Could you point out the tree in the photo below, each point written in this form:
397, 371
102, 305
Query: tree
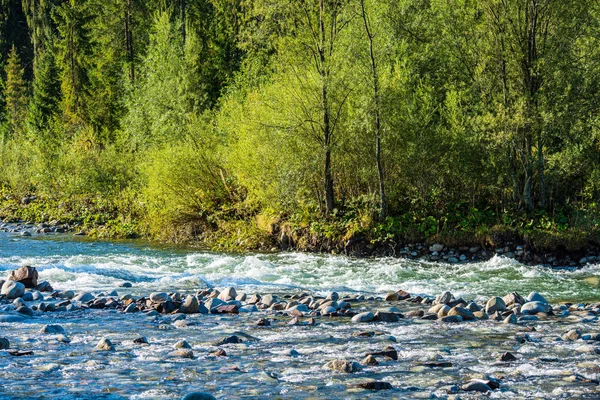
15, 93
46, 92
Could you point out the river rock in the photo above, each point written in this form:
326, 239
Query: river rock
182, 344
452, 318
4, 343
190, 305
386, 317
228, 294
369, 360
26, 275
507, 357
105, 345
436, 247
255, 299
443, 298
126, 285
84, 297
473, 307
183, 353
571, 335
11, 318
159, 297
392, 297
462, 312
131, 308
229, 340
513, 298
534, 307
226, 309
495, 304
27, 296
333, 296
213, 303
363, 317
535, 296
198, 396
12, 289
343, 366
476, 386
374, 385
511, 319
268, 300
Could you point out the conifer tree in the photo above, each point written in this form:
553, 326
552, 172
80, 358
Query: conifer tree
46, 92
15, 93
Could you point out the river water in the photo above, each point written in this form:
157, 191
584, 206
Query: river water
262, 367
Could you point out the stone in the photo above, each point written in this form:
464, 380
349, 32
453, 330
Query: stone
44, 286
182, 344
11, 318
12, 289
403, 295
228, 294
126, 285
452, 318
476, 386
213, 303
370, 360
461, 312
159, 297
25, 310
495, 304
535, 296
344, 366
105, 345
131, 308
52, 329
263, 322
229, 340
226, 309
386, 317
444, 298
84, 297
26, 275
183, 353
27, 296
571, 335
333, 296
363, 317
507, 357
436, 247
198, 396
190, 305
374, 385
268, 300
392, 297
473, 307
511, 319
140, 340
534, 307
4, 343
513, 298
388, 352
255, 299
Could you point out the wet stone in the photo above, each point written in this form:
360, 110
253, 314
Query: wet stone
52, 329
476, 386
344, 366
198, 396
4, 343
105, 345
507, 357
363, 317
374, 385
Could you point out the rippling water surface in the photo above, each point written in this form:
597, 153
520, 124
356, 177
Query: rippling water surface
262, 366
88, 265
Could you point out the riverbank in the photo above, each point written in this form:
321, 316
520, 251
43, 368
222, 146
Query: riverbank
569, 248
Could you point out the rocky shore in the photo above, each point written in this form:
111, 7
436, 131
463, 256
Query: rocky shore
375, 339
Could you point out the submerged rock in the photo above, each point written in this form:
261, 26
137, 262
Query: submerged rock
198, 396
344, 366
4, 343
476, 386
105, 345
363, 317
52, 329
12, 290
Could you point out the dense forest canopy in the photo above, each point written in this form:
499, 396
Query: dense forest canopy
396, 120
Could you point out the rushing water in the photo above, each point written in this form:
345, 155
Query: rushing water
91, 266
262, 366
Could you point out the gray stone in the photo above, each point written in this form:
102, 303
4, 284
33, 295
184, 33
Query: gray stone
183, 353
452, 318
436, 247
84, 297
25, 310
198, 396
461, 312
534, 307
476, 386
182, 344
131, 308
11, 318
363, 317
4, 343
26, 275
159, 297
27, 296
228, 294
190, 305
571, 335
535, 296
495, 304
53, 329
213, 303
105, 345
444, 298
268, 300
12, 289
343, 366
511, 319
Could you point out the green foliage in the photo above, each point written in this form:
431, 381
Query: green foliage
15, 94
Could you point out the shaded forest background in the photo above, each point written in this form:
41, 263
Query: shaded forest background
244, 123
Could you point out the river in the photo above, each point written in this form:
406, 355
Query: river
262, 366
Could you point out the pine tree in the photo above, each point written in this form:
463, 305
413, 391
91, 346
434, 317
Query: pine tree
46, 92
15, 93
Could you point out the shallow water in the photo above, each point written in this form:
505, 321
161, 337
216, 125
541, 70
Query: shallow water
546, 368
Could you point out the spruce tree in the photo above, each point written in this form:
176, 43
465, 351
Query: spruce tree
46, 92
15, 93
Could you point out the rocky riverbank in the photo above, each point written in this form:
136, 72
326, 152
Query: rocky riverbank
297, 344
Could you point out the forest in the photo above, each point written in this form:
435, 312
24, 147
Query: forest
241, 124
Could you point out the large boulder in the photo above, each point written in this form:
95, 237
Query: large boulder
343, 366
228, 294
534, 307
13, 289
26, 275
190, 305
495, 304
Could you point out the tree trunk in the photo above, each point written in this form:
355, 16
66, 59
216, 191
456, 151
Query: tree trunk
376, 101
129, 41
329, 197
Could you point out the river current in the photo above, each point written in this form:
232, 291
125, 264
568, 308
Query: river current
264, 366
